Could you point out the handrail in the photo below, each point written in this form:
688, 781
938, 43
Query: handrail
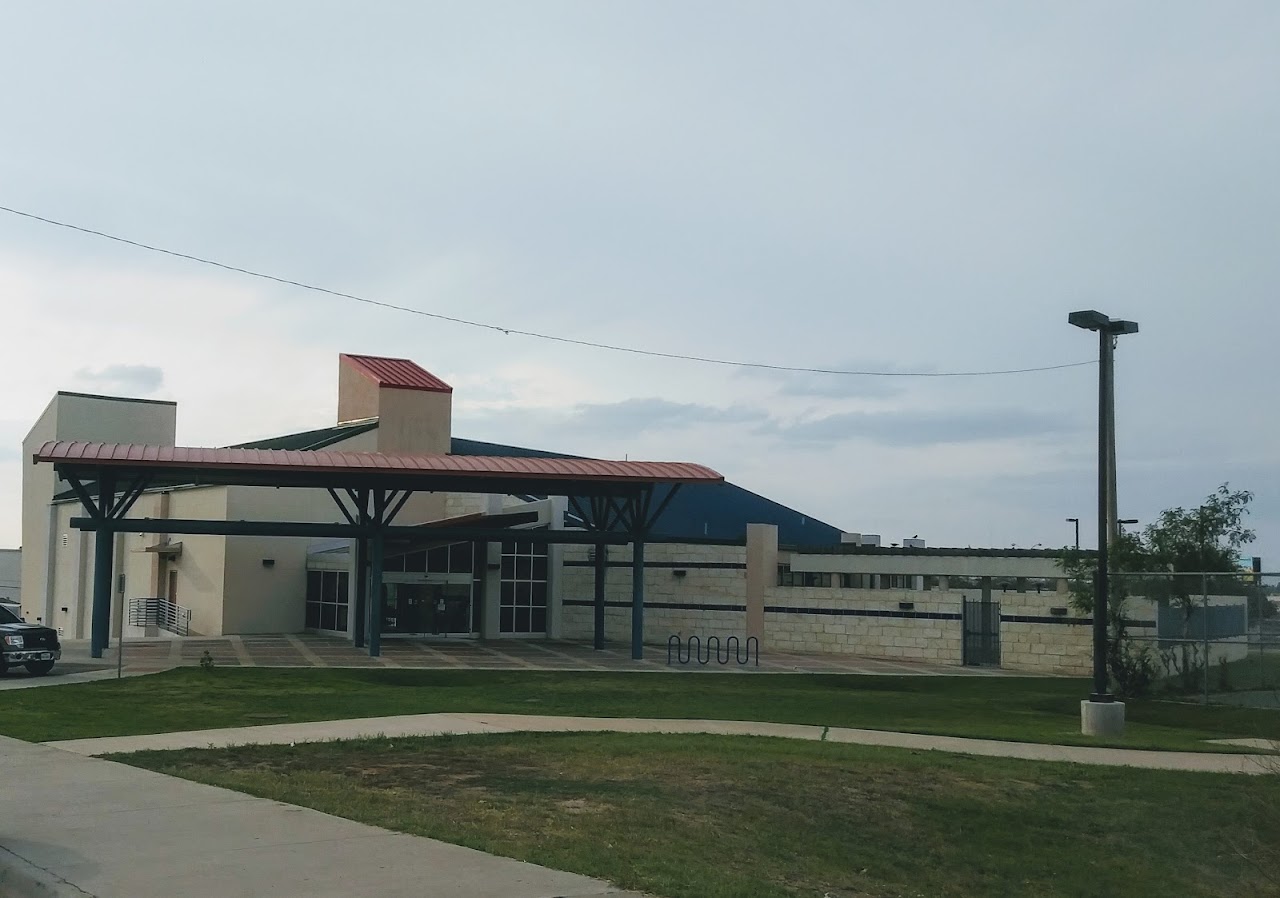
160, 612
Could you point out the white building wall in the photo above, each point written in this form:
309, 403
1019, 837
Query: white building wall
74, 416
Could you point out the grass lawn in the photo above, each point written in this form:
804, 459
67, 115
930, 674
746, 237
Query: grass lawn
1024, 709
707, 816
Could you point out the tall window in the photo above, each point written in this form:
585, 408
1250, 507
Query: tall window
327, 600
522, 604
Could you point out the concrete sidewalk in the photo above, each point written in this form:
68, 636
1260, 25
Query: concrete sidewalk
440, 724
72, 825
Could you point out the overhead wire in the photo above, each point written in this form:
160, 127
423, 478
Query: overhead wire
556, 338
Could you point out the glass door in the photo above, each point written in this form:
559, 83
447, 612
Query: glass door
427, 609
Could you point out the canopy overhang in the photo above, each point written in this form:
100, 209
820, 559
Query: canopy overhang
614, 499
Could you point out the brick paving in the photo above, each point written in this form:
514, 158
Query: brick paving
308, 650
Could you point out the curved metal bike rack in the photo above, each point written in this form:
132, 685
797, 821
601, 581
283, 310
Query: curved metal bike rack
694, 648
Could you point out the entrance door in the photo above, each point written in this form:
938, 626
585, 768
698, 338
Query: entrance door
981, 622
427, 609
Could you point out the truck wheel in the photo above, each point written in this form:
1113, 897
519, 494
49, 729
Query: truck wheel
39, 668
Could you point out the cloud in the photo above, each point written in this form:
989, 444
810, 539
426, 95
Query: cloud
632, 416
132, 380
806, 384
922, 428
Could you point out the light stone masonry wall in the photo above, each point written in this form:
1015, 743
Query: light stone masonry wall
864, 622
872, 634
698, 585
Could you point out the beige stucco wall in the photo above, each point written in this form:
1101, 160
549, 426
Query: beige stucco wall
74, 416
414, 422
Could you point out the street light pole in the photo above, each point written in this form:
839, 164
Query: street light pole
1102, 586
1095, 720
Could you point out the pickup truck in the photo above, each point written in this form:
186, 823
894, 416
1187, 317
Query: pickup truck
31, 645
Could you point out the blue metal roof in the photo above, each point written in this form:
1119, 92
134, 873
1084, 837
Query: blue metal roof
710, 510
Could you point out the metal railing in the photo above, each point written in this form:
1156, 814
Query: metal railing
160, 613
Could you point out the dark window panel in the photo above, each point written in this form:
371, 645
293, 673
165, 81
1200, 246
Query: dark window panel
508, 596
313, 615
538, 597
460, 558
438, 560
522, 620
415, 562
506, 620
328, 617
538, 620
343, 619
540, 567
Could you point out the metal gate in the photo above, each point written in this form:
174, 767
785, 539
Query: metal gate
981, 621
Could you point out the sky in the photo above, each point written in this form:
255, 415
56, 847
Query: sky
907, 188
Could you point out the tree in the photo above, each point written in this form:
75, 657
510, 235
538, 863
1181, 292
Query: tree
1181, 541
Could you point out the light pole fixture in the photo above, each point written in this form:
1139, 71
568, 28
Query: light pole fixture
1076, 521
1108, 330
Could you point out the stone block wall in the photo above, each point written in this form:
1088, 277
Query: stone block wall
864, 622
1034, 639
707, 599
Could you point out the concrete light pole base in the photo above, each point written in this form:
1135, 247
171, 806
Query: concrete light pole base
1102, 719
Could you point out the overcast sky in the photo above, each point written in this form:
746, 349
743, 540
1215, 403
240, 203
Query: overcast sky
903, 187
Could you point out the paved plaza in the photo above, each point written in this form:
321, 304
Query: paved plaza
306, 650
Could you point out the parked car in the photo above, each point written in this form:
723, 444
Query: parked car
31, 645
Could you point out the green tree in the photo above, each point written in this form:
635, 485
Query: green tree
1181, 541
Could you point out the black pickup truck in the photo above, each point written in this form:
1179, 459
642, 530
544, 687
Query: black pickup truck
31, 645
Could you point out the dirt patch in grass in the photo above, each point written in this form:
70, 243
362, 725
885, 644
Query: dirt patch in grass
736, 817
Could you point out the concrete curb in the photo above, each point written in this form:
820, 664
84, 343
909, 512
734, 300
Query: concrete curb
19, 878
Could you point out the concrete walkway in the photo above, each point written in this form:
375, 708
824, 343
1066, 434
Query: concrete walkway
71, 825
440, 724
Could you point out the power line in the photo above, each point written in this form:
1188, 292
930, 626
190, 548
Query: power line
653, 353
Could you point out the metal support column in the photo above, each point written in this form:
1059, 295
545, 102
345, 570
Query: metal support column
637, 599
362, 590
602, 568
100, 626
374, 601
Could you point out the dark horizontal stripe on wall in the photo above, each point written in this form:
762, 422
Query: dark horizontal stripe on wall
682, 565
862, 612
678, 606
1038, 619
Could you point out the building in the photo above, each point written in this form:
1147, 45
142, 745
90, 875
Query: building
723, 560
10, 576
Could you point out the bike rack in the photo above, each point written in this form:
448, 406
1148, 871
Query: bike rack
687, 651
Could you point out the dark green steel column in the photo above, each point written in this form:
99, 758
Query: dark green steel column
637, 599
602, 568
374, 600
100, 626
362, 590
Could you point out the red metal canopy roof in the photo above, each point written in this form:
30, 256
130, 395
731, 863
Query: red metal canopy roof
480, 467
400, 374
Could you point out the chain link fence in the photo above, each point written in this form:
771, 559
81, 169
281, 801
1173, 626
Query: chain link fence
1209, 637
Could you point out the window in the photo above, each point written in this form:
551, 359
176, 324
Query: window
855, 581
522, 601
897, 581
788, 577
327, 593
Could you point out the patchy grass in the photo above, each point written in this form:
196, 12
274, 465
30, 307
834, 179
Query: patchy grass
1022, 709
737, 817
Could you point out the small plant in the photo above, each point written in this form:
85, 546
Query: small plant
1224, 674
206, 661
